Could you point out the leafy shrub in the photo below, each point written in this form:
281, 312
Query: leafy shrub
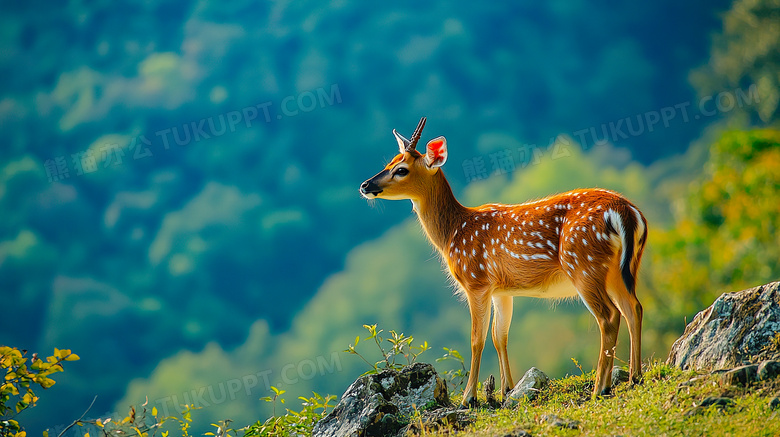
400, 346
21, 375
293, 423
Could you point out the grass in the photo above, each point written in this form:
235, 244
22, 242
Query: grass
662, 405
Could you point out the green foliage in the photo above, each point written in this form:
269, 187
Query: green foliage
148, 423
726, 233
400, 346
455, 377
21, 375
292, 423
745, 54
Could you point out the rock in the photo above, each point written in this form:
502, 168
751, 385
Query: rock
738, 328
619, 376
720, 403
532, 382
443, 418
742, 375
774, 403
560, 422
768, 370
381, 404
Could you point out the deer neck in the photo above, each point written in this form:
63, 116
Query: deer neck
439, 211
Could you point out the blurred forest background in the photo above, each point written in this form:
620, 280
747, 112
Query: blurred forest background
178, 179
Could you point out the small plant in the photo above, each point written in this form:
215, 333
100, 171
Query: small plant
223, 429
456, 376
141, 422
400, 346
21, 375
577, 363
293, 423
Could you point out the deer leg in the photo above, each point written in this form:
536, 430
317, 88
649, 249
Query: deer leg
608, 319
502, 318
479, 307
632, 311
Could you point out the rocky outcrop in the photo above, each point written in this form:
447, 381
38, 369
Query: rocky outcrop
381, 404
528, 387
738, 329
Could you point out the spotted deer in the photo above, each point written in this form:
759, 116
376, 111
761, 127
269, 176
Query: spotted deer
586, 243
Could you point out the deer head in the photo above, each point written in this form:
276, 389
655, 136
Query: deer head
408, 174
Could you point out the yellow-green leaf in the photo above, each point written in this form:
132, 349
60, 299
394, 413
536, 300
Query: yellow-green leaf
46, 382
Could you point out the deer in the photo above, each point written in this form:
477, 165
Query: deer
584, 243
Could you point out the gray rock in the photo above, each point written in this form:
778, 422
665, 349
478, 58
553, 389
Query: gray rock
528, 387
720, 403
560, 422
619, 376
737, 329
768, 370
381, 404
742, 375
441, 419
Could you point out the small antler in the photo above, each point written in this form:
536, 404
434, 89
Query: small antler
416, 135
405, 145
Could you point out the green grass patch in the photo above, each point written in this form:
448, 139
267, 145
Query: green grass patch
665, 404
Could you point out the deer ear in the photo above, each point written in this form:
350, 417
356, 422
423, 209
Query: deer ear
436, 152
403, 143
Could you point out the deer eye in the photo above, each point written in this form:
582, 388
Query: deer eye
401, 171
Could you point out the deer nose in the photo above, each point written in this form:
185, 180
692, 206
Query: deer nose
368, 187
